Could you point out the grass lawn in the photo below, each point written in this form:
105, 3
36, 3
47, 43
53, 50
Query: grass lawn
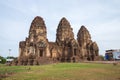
62, 71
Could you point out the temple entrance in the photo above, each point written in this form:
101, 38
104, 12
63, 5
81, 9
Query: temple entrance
75, 52
74, 60
41, 53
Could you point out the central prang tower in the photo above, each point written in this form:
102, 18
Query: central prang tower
65, 40
64, 33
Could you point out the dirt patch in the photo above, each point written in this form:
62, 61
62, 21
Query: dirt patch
5, 75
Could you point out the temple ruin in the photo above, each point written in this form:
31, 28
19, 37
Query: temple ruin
36, 49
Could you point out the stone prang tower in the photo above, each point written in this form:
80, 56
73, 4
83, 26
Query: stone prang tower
65, 40
89, 49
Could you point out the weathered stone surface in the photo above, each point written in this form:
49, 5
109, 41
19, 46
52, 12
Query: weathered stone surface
89, 49
65, 40
64, 33
36, 49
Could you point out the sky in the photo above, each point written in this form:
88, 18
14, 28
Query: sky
101, 18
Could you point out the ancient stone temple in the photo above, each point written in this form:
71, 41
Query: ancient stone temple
36, 49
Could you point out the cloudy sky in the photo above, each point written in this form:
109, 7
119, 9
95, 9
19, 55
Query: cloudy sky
101, 18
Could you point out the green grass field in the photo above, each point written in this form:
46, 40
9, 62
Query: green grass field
62, 71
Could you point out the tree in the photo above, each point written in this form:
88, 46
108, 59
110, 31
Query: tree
3, 60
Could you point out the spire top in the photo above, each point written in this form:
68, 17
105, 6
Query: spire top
64, 23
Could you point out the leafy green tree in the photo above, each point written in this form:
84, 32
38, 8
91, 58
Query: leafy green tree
3, 60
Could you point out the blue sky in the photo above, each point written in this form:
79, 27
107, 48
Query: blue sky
101, 18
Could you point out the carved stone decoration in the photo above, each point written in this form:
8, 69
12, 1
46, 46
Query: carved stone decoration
36, 49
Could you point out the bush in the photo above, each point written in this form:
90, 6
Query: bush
101, 57
3, 60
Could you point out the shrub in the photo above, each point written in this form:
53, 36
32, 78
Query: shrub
3, 60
